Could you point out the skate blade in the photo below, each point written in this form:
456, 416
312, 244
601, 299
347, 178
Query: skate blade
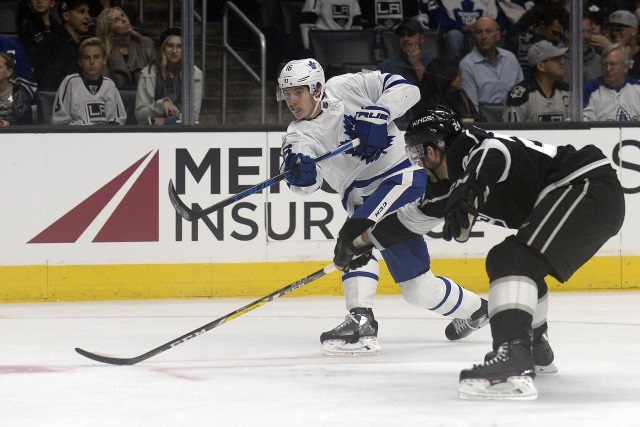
367, 346
514, 388
548, 369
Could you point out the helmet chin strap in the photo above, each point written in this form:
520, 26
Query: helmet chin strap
318, 102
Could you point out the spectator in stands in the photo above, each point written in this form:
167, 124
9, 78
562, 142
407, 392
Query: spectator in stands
128, 52
546, 21
22, 74
89, 98
590, 58
623, 28
488, 72
37, 23
58, 52
442, 85
329, 15
543, 96
614, 96
15, 108
159, 96
456, 20
413, 61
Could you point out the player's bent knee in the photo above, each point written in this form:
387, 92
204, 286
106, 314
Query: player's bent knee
422, 291
513, 258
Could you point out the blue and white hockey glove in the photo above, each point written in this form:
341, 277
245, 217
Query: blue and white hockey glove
461, 209
371, 128
301, 170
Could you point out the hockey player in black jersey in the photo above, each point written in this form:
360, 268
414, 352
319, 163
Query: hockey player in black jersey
564, 203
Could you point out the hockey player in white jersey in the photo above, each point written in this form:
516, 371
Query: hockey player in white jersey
89, 98
374, 179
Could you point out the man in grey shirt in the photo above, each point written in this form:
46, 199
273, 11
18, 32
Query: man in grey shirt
542, 97
488, 71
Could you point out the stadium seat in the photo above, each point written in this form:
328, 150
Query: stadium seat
491, 113
45, 101
129, 101
9, 11
334, 48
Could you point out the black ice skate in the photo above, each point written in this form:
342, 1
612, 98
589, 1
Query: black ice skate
542, 355
507, 376
353, 337
461, 328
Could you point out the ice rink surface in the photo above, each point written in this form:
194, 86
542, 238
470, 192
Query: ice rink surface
265, 367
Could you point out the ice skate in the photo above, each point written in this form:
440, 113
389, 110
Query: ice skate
460, 328
356, 336
542, 356
507, 376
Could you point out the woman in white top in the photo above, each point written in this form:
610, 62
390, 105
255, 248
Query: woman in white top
159, 95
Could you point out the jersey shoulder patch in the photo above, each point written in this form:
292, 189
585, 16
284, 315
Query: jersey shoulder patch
518, 95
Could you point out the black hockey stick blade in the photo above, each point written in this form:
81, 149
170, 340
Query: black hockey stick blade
201, 330
193, 214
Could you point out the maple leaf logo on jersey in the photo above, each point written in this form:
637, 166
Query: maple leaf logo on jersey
349, 124
623, 115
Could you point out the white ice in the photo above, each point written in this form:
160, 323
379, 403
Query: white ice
265, 368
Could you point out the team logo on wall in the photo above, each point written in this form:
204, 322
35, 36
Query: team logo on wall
135, 219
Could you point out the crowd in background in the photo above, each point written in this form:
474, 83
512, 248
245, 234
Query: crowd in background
87, 56
498, 60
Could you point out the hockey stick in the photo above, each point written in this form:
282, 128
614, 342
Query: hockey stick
201, 330
194, 214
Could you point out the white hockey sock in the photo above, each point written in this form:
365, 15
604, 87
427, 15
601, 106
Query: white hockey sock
440, 295
513, 292
361, 285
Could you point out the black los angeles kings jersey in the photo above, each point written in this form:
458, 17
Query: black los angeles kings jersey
512, 172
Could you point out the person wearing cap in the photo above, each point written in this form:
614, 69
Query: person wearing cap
412, 61
623, 27
57, 54
614, 96
489, 72
543, 96
159, 92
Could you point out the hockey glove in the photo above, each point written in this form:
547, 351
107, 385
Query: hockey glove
371, 128
300, 170
348, 256
461, 209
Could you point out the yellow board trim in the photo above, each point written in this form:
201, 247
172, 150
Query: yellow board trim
255, 280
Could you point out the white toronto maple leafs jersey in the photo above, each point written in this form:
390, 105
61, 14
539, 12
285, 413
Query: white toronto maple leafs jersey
612, 105
351, 175
75, 104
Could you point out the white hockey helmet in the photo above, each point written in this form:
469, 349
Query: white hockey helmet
301, 72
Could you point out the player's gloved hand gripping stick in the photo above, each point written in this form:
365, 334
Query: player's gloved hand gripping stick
194, 214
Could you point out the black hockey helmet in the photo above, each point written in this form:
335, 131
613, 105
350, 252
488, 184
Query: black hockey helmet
438, 126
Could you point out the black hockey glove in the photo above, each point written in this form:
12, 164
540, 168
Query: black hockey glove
461, 209
346, 255
349, 257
